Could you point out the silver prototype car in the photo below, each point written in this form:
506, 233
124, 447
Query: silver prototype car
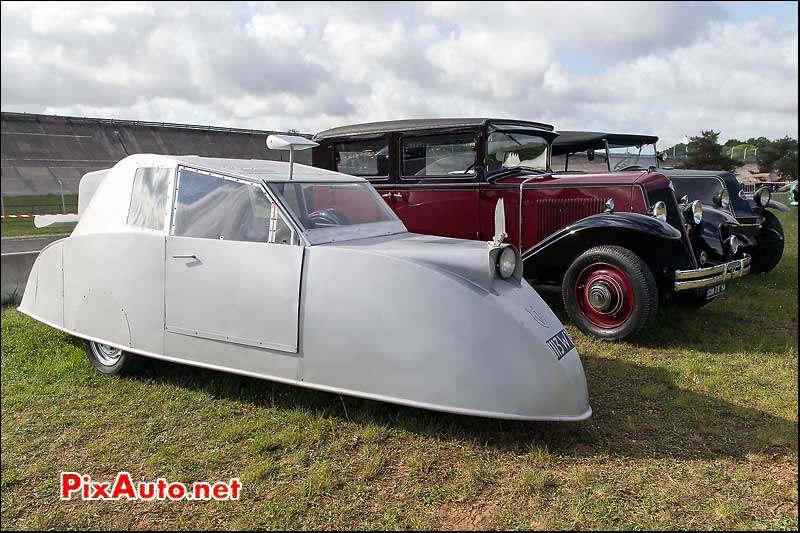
303, 276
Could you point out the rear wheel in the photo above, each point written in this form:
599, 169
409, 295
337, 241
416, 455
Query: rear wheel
768, 253
110, 360
610, 293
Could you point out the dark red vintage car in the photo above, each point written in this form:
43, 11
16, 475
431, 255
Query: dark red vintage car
616, 243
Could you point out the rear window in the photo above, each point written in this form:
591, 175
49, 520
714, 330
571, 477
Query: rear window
149, 198
368, 159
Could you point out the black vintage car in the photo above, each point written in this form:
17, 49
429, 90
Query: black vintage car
757, 230
618, 244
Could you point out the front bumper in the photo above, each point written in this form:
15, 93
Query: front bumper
714, 275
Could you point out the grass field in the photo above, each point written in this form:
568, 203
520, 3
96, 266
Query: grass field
694, 426
46, 203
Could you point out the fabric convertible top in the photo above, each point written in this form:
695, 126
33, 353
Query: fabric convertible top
578, 141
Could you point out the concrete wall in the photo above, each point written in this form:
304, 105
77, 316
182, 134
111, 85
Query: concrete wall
39, 150
14, 270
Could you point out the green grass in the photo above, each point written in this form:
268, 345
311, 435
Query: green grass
694, 426
41, 203
47, 203
23, 227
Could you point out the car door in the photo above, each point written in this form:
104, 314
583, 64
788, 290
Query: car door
437, 190
232, 287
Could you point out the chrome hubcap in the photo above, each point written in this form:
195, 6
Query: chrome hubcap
600, 297
107, 355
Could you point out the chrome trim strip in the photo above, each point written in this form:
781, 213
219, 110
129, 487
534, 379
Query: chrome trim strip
521, 222
705, 277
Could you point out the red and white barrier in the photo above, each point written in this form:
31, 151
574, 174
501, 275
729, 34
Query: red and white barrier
31, 215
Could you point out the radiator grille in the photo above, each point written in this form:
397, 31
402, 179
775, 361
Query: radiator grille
554, 214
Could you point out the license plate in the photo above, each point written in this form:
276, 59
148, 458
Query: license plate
560, 344
716, 290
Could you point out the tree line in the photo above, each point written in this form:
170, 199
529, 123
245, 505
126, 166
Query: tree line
777, 156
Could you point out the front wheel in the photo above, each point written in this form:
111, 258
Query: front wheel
610, 293
110, 360
769, 251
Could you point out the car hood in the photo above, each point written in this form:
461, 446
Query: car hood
472, 260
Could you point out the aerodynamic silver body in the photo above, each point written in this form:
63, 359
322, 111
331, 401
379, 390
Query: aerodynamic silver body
310, 280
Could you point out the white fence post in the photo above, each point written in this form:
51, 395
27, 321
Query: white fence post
63, 204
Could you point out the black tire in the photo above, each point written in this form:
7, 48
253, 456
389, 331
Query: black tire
766, 256
608, 269
110, 361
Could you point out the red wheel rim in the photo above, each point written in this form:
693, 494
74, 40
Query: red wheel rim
604, 295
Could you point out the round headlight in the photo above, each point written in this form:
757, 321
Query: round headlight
507, 263
762, 196
697, 211
724, 198
732, 243
659, 211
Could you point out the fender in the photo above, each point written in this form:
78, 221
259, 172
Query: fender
778, 205
711, 228
636, 231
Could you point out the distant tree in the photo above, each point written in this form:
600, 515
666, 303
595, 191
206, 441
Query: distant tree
760, 142
772, 152
732, 142
786, 166
705, 153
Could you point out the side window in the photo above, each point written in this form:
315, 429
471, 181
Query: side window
213, 207
149, 198
369, 159
443, 156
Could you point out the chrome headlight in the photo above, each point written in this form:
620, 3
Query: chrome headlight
696, 209
762, 196
732, 244
724, 198
659, 211
507, 263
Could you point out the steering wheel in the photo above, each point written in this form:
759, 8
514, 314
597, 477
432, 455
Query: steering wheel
630, 167
329, 217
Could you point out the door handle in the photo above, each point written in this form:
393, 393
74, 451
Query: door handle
387, 195
397, 196
190, 256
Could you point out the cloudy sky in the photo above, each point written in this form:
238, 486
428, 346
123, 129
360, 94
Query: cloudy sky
663, 68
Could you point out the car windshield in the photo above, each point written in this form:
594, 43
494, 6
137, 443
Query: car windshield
509, 150
332, 212
621, 157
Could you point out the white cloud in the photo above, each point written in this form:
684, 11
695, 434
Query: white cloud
663, 68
